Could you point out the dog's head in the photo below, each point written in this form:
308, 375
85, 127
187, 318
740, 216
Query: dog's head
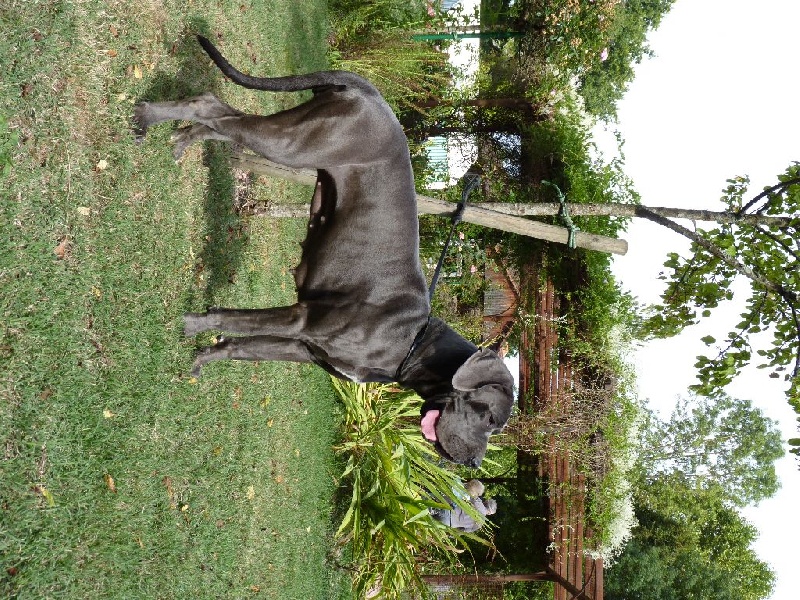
460, 422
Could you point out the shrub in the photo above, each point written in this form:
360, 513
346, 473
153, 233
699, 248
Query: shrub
395, 478
406, 72
373, 39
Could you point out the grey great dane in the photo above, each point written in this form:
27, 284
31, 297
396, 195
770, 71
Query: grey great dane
362, 310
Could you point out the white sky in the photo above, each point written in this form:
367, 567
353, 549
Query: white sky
719, 99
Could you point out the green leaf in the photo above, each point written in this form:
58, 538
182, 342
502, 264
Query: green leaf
420, 515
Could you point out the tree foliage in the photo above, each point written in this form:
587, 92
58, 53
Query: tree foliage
711, 457
724, 443
606, 80
595, 43
690, 543
768, 257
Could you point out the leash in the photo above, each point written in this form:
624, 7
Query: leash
471, 181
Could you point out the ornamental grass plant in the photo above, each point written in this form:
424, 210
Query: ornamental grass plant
394, 478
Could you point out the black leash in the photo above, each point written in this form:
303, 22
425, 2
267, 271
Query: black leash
471, 181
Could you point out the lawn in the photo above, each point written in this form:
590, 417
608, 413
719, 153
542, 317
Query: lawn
120, 476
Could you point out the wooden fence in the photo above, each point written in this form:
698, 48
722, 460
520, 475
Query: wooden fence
546, 383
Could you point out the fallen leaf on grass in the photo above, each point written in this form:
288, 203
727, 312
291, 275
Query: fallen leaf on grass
84, 211
62, 249
110, 483
108, 414
251, 492
137, 72
46, 494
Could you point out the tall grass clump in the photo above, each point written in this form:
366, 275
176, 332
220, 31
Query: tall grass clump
374, 40
406, 72
394, 478
356, 19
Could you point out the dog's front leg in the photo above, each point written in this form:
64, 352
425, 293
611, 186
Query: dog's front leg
283, 321
258, 347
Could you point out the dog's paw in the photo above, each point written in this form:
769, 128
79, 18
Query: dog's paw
141, 122
181, 140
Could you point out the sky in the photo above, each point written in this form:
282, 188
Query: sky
719, 99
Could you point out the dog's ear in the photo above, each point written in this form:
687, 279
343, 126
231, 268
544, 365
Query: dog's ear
482, 368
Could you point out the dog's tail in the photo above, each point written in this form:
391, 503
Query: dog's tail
294, 83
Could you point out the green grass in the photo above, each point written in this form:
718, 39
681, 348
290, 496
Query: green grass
120, 477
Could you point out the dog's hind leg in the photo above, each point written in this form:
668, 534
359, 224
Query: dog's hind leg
204, 109
186, 136
257, 347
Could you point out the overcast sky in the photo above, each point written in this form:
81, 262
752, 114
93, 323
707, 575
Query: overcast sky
720, 99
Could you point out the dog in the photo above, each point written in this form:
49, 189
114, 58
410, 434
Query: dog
362, 310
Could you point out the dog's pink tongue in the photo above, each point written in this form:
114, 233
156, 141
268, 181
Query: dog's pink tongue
428, 425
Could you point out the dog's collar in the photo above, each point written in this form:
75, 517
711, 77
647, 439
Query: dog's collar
413, 347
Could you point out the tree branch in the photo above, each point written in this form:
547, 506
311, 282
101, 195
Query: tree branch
542, 209
765, 193
791, 252
788, 295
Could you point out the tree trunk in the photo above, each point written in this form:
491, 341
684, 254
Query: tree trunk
427, 205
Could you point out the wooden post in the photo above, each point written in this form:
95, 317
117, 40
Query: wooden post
433, 206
